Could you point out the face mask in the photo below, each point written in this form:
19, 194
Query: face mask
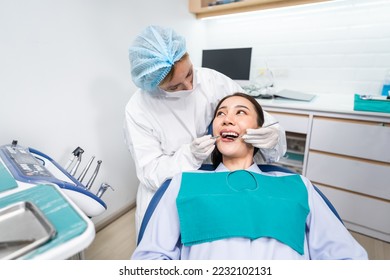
181, 93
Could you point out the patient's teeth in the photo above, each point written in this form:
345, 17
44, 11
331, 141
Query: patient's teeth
229, 134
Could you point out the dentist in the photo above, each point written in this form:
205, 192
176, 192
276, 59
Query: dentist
167, 118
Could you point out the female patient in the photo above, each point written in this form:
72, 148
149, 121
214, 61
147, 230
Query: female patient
239, 212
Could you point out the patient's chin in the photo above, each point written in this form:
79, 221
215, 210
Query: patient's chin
234, 151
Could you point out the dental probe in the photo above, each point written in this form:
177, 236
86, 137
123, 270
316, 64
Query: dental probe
268, 125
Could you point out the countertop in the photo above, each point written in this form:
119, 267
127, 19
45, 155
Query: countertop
329, 103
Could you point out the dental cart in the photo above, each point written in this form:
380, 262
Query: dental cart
32, 166
37, 219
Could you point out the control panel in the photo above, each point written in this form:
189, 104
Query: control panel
32, 166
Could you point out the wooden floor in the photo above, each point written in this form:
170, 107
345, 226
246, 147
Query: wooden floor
117, 242
114, 242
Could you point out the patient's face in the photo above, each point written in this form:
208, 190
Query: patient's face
234, 116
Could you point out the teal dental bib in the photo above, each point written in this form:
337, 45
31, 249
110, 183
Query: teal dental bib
220, 205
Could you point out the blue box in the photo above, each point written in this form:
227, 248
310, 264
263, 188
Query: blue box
372, 105
386, 90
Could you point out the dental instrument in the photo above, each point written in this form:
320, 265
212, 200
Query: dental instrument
93, 177
75, 155
372, 97
82, 175
76, 166
102, 189
268, 125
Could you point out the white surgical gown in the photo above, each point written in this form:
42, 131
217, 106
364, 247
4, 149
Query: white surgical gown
326, 237
159, 129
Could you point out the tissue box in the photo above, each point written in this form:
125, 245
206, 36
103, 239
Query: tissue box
372, 105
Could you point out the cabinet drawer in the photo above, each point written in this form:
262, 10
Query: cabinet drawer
353, 138
371, 178
371, 214
292, 122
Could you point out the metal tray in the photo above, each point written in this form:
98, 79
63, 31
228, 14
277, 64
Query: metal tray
23, 228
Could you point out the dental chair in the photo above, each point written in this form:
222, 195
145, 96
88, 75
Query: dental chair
209, 167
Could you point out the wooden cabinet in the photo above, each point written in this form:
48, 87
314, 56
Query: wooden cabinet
346, 155
208, 8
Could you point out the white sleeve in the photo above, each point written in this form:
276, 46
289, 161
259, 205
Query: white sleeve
152, 165
326, 235
161, 237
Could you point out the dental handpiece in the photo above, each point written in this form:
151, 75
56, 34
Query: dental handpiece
76, 166
75, 154
102, 189
70, 162
93, 177
82, 175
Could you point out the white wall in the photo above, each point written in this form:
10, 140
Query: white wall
64, 71
338, 47
64, 80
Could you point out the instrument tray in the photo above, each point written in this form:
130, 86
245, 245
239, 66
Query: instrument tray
23, 228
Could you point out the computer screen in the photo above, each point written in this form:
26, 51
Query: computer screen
234, 63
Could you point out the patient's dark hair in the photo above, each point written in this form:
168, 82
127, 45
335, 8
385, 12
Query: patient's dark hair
216, 156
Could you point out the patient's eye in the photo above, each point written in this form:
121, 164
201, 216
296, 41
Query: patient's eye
220, 113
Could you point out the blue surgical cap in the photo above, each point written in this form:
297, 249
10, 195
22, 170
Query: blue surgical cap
152, 55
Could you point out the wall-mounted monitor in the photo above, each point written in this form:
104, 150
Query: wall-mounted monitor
234, 63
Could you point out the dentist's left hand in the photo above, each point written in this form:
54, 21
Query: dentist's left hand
262, 138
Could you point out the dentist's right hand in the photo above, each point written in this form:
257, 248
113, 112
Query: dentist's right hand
202, 147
